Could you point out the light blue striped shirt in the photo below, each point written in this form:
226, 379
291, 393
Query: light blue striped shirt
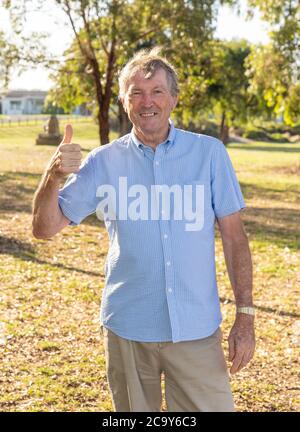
160, 276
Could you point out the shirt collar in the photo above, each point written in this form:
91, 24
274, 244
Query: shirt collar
168, 142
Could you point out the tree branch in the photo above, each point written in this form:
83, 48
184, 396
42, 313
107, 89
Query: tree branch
68, 13
92, 59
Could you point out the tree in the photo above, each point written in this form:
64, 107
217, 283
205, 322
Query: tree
17, 50
274, 69
73, 84
105, 42
216, 83
284, 17
228, 89
272, 81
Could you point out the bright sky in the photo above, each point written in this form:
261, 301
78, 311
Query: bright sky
229, 26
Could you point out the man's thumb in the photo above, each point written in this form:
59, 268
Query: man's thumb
67, 139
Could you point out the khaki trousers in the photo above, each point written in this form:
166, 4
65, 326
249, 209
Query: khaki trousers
196, 377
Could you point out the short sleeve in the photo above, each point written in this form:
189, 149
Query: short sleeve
77, 199
227, 197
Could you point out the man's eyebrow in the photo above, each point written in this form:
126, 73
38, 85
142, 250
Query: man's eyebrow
134, 87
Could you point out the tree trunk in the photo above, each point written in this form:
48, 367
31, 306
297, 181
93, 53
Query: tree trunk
124, 122
103, 124
103, 109
224, 129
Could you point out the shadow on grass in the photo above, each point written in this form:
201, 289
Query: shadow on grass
278, 226
17, 190
280, 148
17, 248
271, 193
264, 309
26, 252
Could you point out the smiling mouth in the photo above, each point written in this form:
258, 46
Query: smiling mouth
148, 114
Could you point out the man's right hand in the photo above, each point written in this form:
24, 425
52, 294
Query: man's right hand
67, 158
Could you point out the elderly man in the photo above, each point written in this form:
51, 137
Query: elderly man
159, 191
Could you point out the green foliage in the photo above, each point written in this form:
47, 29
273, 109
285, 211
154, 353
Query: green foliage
269, 76
272, 82
262, 135
275, 68
229, 80
292, 107
20, 51
284, 16
74, 85
269, 131
50, 108
183, 28
228, 83
216, 84
9, 55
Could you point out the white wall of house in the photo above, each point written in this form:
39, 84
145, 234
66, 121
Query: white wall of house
12, 106
25, 102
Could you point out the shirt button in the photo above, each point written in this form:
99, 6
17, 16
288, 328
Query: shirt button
170, 290
156, 163
165, 236
168, 263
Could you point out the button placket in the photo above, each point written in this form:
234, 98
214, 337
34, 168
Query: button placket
166, 245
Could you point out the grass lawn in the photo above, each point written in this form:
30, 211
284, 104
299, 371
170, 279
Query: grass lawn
51, 352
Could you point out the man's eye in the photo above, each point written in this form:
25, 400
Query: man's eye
157, 91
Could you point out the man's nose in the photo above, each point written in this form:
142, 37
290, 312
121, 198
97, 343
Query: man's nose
147, 100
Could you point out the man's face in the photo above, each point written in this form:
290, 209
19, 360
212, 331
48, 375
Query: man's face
148, 102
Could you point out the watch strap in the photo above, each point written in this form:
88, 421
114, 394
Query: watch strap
246, 310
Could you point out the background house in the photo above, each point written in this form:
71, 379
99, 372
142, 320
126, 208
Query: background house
17, 102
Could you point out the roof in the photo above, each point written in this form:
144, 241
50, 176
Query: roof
24, 93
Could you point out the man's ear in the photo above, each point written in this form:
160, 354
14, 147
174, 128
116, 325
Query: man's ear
175, 100
122, 100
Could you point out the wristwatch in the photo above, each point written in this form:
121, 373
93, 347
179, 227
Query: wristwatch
246, 310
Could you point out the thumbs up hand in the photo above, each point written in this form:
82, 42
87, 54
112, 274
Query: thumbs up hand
68, 134
67, 158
